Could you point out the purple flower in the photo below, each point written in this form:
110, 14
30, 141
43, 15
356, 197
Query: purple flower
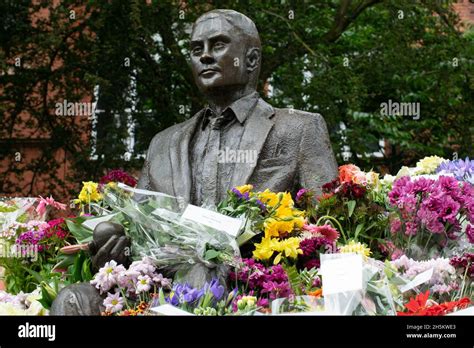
433, 205
462, 170
244, 196
300, 194
464, 263
216, 289
184, 293
470, 233
276, 289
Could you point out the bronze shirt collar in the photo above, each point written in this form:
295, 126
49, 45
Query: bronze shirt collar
240, 108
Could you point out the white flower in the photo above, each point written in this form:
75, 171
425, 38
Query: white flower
107, 277
113, 303
143, 284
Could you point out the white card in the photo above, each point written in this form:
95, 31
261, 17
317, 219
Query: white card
92, 223
419, 279
341, 273
213, 219
168, 309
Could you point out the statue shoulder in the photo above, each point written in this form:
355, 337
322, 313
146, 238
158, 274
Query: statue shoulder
163, 137
300, 117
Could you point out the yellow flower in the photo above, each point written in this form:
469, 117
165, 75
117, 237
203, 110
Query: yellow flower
287, 247
278, 227
89, 192
274, 228
264, 250
244, 188
286, 200
112, 185
290, 247
299, 221
428, 164
358, 248
268, 198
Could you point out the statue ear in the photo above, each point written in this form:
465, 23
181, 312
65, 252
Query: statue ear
252, 59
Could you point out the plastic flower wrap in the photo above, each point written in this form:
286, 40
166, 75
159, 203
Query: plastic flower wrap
442, 283
378, 294
193, 252
18, 210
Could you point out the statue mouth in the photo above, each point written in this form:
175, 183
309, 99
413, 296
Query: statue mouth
208, 72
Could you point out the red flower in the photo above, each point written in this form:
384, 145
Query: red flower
418, 306
418, 303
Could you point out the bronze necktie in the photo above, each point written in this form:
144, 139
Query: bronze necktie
210, 176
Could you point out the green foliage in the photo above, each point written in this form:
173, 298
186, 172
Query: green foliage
81, 233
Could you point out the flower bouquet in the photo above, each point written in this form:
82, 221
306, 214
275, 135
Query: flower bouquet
190, 251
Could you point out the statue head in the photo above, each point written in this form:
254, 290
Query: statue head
225, 52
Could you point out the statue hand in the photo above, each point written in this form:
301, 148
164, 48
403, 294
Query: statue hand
116, 248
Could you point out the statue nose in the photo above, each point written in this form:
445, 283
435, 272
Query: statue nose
206, 58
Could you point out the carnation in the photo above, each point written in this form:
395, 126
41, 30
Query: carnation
118, 175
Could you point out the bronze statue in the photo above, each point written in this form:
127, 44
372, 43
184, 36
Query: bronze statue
290, 149
237, 139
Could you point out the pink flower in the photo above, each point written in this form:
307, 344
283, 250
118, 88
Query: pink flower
326, 231
397, 253
470, 233
49, 201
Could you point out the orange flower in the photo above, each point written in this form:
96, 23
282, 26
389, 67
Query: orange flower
316, 293
351, 173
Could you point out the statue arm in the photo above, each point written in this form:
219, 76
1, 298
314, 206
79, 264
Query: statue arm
317, 164
144, 182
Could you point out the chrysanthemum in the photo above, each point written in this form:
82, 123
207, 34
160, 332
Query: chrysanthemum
143, 284
356, 247
113, 303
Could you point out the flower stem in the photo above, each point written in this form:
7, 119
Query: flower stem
328, 217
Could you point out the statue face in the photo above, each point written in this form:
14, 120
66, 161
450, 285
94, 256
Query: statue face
217, 55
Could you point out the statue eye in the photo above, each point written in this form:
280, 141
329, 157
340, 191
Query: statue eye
196, 51
219, 45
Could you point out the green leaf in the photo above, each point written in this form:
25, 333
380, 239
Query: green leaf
64, 262
77, 267
38, 277
81, 233
358, 230
211, 254
294, 279
350, 207
162, 297
86, 273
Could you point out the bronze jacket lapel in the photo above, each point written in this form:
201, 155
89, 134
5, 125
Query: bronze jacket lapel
257, 128
179, 157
